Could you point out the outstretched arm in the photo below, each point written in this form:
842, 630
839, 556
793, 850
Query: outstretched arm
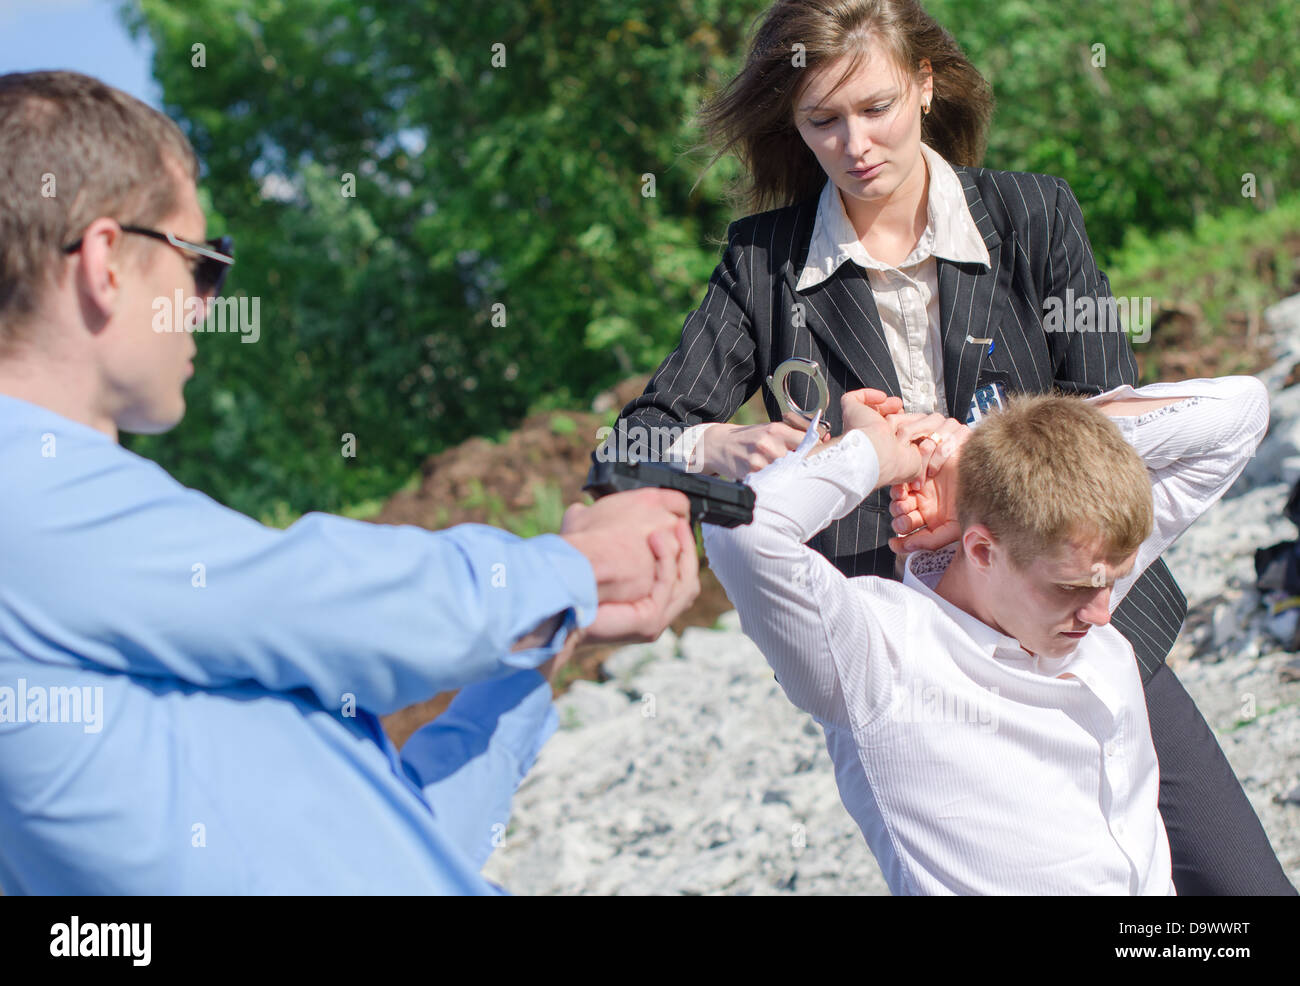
115, 565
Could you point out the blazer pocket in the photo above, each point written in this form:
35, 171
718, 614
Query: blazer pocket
990, 374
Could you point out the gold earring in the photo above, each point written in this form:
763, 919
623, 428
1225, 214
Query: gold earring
925, 109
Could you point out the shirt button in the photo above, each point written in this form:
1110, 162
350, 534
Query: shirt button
1111, 748
1119, 829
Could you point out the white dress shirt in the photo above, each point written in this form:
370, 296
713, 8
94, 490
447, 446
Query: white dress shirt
972, 766
906, 296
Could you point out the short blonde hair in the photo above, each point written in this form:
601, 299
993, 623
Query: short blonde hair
1052, 468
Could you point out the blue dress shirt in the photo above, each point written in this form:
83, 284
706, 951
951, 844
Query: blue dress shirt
189, 699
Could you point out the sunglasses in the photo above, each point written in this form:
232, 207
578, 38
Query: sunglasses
214, 259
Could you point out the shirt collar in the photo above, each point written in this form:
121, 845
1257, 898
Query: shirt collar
923, 571
950, 230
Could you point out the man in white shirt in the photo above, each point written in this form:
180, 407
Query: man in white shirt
987, 724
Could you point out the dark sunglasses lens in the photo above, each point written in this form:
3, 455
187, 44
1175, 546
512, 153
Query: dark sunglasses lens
211, 274
208, 277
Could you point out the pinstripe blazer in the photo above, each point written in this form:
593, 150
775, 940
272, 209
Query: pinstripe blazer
752, 319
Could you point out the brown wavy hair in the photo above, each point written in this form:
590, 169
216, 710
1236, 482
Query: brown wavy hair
753, 115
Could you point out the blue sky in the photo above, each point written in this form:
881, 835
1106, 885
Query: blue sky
84, 35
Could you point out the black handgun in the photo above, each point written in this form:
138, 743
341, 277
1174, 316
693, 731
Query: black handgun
713, 500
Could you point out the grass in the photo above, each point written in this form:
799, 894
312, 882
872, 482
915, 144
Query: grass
543, 517
279, 515
1216, 264
1240, 261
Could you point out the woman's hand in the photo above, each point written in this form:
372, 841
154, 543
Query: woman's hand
734, 451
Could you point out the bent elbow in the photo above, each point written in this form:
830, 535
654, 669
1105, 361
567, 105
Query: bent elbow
1256, 408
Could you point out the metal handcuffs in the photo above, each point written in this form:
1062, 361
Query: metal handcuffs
779, 384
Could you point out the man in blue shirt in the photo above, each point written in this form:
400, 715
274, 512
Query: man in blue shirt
189, 699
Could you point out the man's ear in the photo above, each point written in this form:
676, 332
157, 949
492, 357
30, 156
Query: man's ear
97, 270
978, 543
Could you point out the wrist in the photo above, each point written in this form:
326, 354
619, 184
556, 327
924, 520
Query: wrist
575, 639
885, 446
829, 443
703, 458
539, 635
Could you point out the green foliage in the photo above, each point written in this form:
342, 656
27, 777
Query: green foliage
1193, 95
1215, 265
562, 425
498, 254
544, 517
475, 186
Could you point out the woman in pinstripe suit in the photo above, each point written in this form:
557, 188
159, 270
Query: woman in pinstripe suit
878, 248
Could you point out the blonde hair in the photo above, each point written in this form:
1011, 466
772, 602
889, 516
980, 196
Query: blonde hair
1052, 468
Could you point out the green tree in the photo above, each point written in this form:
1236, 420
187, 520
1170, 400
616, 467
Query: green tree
441, 205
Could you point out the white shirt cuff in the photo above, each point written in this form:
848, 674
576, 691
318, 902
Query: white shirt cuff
679, 452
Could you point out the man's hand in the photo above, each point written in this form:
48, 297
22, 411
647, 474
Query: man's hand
925, 511
642, 553
901, 441
676, 584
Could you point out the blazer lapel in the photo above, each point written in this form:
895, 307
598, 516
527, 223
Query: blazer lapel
972, 303
841, 311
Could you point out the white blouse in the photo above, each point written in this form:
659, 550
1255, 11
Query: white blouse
906, 296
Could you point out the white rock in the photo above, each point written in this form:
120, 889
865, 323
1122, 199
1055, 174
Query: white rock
586, 703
